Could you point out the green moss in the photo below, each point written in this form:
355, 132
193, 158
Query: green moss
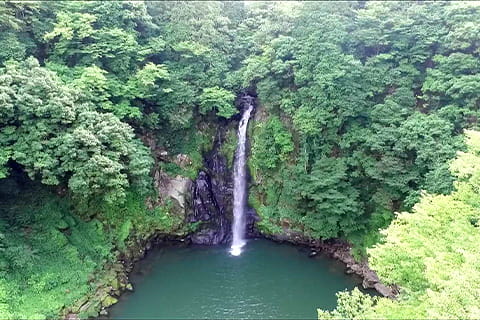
194, 144
272, 145
193, 227
45, 265
172, 169
229, 146
269, 218
133, 219
51, 259
108, 301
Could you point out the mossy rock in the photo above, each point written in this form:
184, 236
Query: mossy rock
91, 313
108, 301
79, 304
90, 309
115, 284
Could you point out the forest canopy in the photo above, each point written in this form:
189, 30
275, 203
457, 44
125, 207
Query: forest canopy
361, 108
431, 253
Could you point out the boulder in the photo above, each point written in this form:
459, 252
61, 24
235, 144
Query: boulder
108, 301
384, 290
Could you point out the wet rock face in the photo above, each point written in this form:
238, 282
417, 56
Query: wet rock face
251, 219
212, 196
212, 205
211, 201
208, 208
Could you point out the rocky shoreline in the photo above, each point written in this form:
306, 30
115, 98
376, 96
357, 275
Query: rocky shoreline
204, 202
113, 280
117, 281
341, 251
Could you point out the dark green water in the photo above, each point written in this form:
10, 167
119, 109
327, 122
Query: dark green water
268, 280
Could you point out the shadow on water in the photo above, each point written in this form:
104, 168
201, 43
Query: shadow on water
268, 281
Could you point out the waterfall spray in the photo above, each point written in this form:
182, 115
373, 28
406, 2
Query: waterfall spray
240, 184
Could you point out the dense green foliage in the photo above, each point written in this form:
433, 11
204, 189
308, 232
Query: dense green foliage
219, 99
51, 256
375, 96
361, 105
53, 136
82, 86
113, 61
432, 254
47, 256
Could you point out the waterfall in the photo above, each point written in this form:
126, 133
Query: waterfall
240, 182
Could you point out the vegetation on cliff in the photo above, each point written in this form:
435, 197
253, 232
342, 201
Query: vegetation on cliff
374, 96
53, 254
84, 87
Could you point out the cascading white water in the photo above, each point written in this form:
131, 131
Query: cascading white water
240, 184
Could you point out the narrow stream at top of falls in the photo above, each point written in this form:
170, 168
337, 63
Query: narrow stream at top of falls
240, 182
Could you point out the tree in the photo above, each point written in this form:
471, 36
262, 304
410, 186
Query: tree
57, 138
330, 203
431, 253
217, 99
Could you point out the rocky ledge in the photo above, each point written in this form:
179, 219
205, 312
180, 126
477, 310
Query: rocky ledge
113, 280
